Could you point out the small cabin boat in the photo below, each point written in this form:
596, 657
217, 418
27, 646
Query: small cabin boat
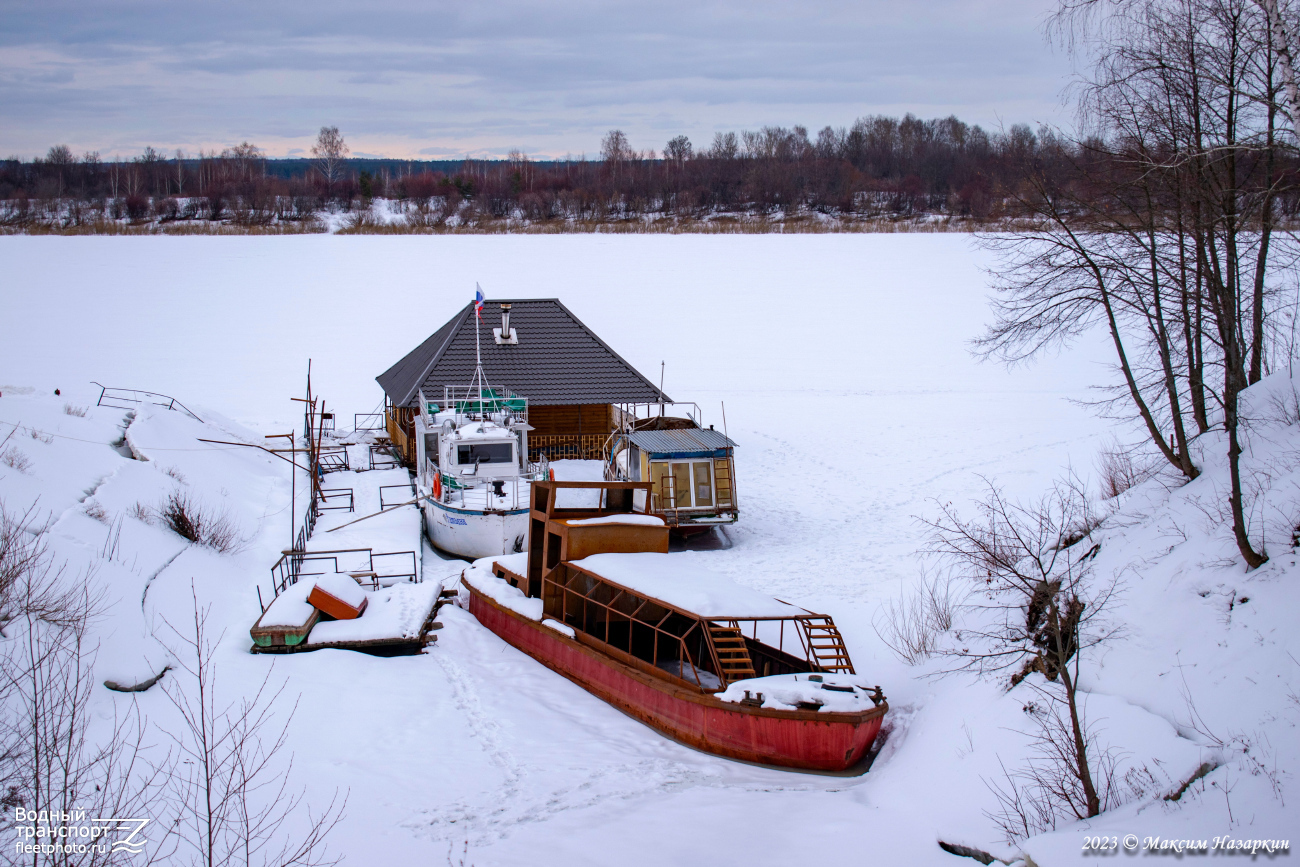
706, 661
473, 474
690, 467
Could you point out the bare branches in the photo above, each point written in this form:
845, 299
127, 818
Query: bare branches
48, 760
912, 626
1041, 607
232, 799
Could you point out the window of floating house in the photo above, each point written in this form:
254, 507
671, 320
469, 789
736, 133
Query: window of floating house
682, 484
702, 482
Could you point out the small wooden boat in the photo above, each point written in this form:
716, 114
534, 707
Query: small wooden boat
715, 665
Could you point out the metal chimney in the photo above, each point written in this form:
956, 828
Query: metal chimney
505, 334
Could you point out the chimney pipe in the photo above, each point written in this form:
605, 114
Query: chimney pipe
505, 321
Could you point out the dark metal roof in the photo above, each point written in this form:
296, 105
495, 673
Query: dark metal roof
558, 360
684, 440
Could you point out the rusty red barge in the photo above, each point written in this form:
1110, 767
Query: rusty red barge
715, 665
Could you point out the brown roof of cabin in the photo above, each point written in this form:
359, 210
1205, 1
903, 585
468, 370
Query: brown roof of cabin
558, 360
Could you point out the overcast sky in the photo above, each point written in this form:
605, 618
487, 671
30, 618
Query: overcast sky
429, 79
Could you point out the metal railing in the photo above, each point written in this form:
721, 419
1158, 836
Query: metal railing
294, 565
108, 394
335, 498
408, 491
382, 458
480, 492
671, 642
333, 459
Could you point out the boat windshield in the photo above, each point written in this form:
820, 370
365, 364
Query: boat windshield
485, 453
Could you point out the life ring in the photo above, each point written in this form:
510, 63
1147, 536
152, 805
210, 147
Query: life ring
437, 486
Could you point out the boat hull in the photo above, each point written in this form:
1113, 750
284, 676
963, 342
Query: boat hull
807, 740
472, 533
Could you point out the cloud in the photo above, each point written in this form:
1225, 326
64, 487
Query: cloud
406, 78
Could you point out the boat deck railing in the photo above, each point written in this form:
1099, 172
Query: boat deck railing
730, 648
480, 492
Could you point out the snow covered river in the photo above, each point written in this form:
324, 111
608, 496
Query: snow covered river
844, 364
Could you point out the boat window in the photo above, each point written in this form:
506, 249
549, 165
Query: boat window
682, 485
431, 447
485, 453
702, 472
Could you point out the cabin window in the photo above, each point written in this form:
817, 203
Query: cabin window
682, 484
431, 448
485, 453
702, 481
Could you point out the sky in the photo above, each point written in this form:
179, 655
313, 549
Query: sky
428, 79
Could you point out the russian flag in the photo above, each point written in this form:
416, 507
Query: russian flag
478, 300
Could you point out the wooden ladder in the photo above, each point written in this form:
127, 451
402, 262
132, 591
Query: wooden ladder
826, 645
730, 651
721, 483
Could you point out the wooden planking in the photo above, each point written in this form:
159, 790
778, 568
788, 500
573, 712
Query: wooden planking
571, 419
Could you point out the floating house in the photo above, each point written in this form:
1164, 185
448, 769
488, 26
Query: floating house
574, 382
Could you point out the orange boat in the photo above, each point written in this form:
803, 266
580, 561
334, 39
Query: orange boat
713, 664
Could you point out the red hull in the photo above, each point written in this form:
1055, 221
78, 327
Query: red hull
808, 740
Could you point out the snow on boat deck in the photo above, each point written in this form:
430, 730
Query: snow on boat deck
673, 579
642, 520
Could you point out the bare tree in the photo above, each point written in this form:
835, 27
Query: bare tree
50, 765
677, 152
233, 802
1163, 224
330, 151
1038, 606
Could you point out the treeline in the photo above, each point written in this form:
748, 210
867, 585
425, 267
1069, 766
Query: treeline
878, 166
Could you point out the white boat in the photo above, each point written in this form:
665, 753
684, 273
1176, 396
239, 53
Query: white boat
474, 477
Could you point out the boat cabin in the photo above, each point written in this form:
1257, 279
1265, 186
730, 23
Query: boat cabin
473, 440
689, 467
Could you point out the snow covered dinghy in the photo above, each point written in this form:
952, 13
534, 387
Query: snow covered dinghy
688, 652
333, 610
287, 621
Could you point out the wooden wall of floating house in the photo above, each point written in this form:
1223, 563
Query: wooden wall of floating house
400, 423
571, 419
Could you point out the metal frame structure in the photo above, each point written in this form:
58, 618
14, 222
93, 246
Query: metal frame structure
288, 570
138, 396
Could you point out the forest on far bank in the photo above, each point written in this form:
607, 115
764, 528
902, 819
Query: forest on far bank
880, 168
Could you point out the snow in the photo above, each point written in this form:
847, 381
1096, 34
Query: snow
562, 628
681, 580
291, 607
342, 587
706, 679
786, 691
398, 611
639, 520
474, 743
577, 471
498, 590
